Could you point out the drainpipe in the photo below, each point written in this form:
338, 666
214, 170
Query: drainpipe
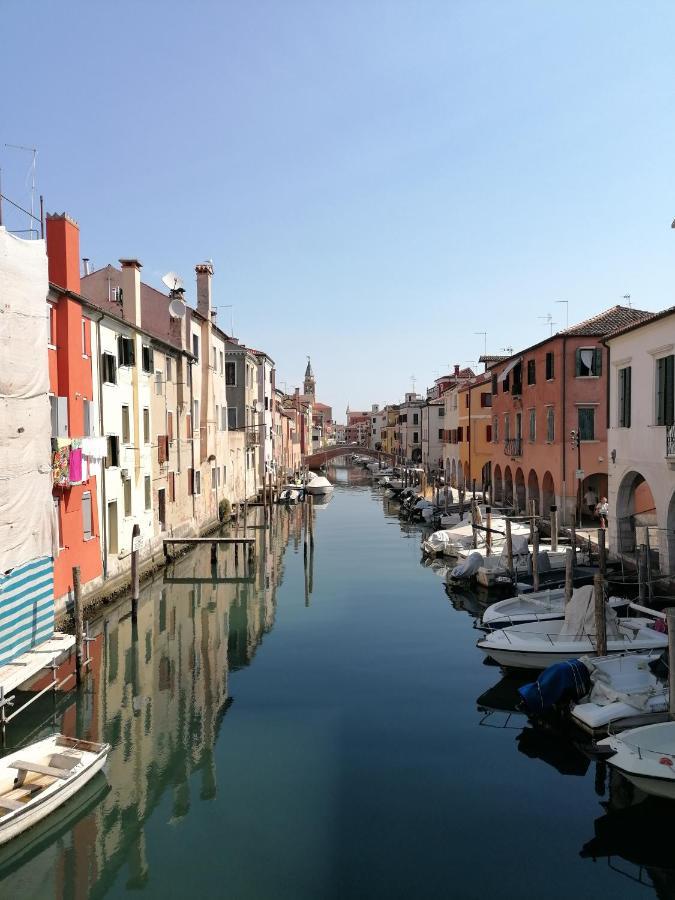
104, 511
564, 430
192, 444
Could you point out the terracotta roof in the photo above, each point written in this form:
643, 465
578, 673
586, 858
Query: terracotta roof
654, 316
613, 319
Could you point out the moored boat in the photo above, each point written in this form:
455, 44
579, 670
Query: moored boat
319, 486
39, 778
646, 757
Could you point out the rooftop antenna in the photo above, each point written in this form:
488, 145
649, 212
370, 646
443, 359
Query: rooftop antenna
174, 283
567, 312
32, 150
413, 381
508, 350
484, 333
626, 297
548, 319
231, 309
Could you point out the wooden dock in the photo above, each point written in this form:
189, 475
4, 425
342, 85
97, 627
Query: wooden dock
248, 544
33, 662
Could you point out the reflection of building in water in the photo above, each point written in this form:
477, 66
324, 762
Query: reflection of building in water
158, 694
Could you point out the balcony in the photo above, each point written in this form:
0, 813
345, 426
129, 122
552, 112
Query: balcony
253, 437
670, 445
513, 447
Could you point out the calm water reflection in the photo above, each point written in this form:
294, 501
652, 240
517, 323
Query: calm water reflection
326, 734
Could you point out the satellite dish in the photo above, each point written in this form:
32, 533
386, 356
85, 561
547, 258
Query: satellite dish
173, 281
177, 309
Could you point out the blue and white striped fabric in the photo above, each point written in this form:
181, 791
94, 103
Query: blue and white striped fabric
26, 607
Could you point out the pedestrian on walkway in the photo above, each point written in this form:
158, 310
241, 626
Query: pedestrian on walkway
603, 512
591, 500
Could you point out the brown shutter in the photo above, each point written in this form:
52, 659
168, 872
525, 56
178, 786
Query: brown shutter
172, 487
169, 425
191, 481
188, 425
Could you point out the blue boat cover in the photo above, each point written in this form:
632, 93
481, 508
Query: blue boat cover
563, 681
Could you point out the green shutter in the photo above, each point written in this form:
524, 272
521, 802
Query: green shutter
669, 390
597, 362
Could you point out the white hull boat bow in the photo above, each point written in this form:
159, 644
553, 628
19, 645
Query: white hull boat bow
646, 757
40, 778
541, 606
537, 645
319, 486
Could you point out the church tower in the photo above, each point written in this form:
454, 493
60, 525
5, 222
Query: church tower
310, 387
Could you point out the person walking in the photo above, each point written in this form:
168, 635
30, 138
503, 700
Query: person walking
603, 512
591, 500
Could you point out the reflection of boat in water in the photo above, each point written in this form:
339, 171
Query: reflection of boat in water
551, 747
15, 853
320, 500
641, 834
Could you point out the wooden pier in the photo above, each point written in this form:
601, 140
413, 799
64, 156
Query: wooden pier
247, 544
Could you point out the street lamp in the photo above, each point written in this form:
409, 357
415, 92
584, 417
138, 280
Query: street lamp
575, 442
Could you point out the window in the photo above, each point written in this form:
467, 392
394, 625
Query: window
112, 527
87, 532
519, 425
127, 496
460, 434
664, 390
495, 429
126, 437
198, 482
158, 384
195, 345
112, 459
191, 481
57, 519
415, 421
169, 369
485, 399
86, 417
517, 386
624, 397
588, 362
188, 425
52, 326
59, 412
84, 337
169, 425
125, 350
230, 373
505, 383
217, 417
148, 362
215, 357
416, 437
221, 362
223, 418
441, 412
533, 424
440, 434
531, 371
466, 399
109, 368
195, 413
507, 428
488, 433
586, 423
148, 492
146, 425
494, 384
172, 487
550, 424
550, 368
214, 478
224, 475
232, 417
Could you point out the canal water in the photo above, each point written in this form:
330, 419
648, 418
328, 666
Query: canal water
324, 732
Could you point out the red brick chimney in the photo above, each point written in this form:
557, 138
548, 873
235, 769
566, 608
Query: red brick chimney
63, 251
456, 370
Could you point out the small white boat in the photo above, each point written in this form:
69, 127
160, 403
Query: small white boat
290, 495
646, 757
319, 486
625, 693
494, 570
38, 779
537, 645
541, 606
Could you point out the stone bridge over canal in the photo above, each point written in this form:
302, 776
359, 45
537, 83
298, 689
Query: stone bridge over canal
323, 457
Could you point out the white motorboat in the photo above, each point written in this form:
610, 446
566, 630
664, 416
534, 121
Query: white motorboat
39, 778
318, 485
625, 693
451, 541
537, 645
646, 757
290, 494
541, 606
494, 570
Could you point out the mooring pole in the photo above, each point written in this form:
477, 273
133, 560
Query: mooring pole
79, 625
509, 546
569, 574
642, 573
488, 533
602, 552
535, 560
600, 618
670, 619
135, 574
554, 529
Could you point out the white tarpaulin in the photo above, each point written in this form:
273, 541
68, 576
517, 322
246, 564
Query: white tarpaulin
580, 616
25, 418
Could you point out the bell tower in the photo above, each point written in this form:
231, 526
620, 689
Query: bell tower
309, 385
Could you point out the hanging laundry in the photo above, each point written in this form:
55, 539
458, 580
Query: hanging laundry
61, 466
75, 470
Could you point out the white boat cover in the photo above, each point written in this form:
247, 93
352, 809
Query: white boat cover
626, 679
580, 616
469, 566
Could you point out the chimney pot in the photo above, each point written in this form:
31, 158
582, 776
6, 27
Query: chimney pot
456, 370
131, 291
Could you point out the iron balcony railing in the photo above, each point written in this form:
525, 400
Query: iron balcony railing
513, 446
670, 440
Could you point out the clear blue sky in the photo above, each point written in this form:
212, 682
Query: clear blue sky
374, 181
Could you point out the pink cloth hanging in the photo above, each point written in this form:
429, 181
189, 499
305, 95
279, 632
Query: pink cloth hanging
76, 466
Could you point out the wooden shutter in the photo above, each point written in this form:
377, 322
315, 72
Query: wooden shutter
188, 425
172, 487
162, 448
86, 516
169, 425
191, 481
597, 362
488, 433
62, 416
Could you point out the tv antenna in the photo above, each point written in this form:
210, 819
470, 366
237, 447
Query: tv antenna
548, 320
626, 297
413, 381
31, 170
508, 350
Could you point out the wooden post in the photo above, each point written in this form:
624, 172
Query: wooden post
600, 620
554, 528
214, 554
648, 562
573, 541
602, 552
474, 489
474, 539
79, 626
311, 522
135, 575
642, 573
569, 574
236, 556
670, 619
251, 554
488, 533
532, 523
509, 545
535, 560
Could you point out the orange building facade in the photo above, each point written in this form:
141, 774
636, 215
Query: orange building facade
71, 387
474, 433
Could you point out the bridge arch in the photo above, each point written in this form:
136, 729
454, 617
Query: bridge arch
324, 456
